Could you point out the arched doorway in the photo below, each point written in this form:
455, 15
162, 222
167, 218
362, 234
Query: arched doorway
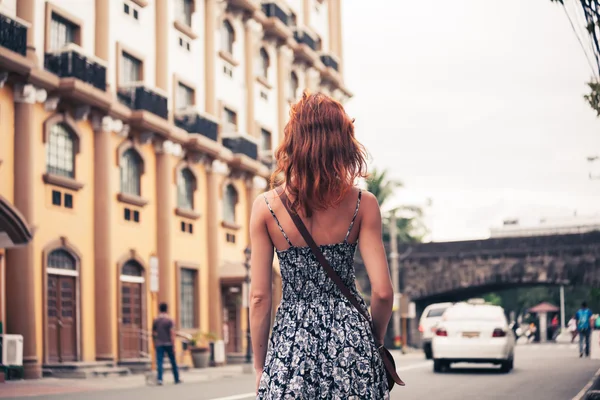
62, 300
132, 335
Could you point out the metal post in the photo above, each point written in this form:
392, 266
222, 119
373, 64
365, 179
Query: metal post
562, 308
247, 252
395, 267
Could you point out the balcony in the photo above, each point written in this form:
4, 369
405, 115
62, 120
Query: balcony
303, 37
195, 123
138, 97
72, 63
273, 9
240, 144
330, 61
13, 35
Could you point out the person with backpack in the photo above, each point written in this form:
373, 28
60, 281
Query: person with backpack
583, 317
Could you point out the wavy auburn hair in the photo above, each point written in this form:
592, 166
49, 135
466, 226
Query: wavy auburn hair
319, 158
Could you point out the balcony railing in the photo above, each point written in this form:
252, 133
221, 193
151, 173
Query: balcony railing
13, 35
302, 36
241, 145
71, 63
273, 9
138, 97
194, 122
329, 61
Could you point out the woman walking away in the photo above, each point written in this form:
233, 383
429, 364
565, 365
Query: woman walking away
572, 327
321, 346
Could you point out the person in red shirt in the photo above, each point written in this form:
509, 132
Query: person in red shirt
163, 334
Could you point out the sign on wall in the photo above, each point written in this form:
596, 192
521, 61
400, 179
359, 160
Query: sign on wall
154, 274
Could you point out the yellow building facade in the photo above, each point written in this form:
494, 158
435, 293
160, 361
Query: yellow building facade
125, 183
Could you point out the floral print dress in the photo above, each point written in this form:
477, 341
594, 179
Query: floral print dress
320, 346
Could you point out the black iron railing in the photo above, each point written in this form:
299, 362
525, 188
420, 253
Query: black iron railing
241, 145
302, 37
195, 123
142, 98
72, 64
13, 35
329, 61
273, 10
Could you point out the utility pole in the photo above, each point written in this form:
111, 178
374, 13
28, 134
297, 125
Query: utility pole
562, 308
395, 267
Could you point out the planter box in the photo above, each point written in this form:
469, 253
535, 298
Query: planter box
200, 357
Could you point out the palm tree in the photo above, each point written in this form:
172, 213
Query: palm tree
380, 186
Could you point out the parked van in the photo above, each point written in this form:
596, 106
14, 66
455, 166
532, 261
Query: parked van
427, 325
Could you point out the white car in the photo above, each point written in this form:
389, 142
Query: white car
473, 333
427, 324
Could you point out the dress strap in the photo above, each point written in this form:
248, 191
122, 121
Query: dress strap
277, 221
354, 216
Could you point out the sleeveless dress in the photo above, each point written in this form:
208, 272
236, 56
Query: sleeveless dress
320, 346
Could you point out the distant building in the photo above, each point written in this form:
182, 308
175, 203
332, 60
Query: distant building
548, 226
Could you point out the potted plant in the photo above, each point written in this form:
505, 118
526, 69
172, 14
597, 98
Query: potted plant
200, 349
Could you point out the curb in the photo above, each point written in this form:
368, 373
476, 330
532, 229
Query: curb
586, 393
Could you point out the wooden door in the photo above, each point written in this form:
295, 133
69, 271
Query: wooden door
62, 318
131, 321
231, 320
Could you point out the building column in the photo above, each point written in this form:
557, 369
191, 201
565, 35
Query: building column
307, 4
164, 225
255, 185
210, 27
285, 57
162, 45
105, 274
313, 77
20, 266
252, 34
215, 172
26, 11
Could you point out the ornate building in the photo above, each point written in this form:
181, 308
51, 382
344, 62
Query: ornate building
134, 137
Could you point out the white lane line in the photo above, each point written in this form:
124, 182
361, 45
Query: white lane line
583, 391
237, 396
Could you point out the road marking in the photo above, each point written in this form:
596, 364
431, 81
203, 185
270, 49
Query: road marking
237, 396
583, 391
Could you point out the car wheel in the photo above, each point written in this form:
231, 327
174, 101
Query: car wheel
428, 353
507, 366
437, 366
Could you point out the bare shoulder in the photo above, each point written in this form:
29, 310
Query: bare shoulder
368, 202
260, 207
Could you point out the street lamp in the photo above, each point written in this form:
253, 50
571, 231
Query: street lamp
247, 253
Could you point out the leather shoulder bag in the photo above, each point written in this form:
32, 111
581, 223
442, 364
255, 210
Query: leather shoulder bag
386, 356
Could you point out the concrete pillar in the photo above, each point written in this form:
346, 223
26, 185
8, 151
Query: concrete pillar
335, 29
105, 274
543, 318
102, 36
20, 271
306, 11
215, 172
252, 34
395, 269
164, 225
26, 11
285, 56
210, 27
162, 45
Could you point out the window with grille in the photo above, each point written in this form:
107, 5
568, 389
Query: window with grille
62, 32
131, 172
264, 63
131, 268
61, 259
294, 86
131, 69
60, 152
188, 299
185, 96
183, 11
230, 200
185, 189
265, 136
227, 37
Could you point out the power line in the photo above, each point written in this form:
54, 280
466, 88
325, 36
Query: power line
587, 56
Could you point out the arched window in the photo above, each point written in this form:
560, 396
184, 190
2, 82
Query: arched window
228, 37
264, 63
132, 268
186, 185
294, 86
60, 151
62, 259
131, 172
230, 200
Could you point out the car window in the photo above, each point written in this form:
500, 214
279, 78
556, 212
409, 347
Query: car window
474, 314
436, 312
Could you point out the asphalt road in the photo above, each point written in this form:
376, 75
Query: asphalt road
542, 372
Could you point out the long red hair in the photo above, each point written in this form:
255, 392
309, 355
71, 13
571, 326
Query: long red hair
319, 159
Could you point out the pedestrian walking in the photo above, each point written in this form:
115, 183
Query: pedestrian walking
584, 317
324, 344
163, 334
572, 327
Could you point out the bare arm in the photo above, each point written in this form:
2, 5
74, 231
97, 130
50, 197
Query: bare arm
261, 264
373, 254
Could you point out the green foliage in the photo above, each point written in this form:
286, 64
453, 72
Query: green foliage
493, 298
593, 98
382, 187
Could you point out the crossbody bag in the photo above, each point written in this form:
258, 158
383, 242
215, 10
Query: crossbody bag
386, 356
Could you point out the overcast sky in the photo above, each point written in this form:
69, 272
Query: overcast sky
476, 104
